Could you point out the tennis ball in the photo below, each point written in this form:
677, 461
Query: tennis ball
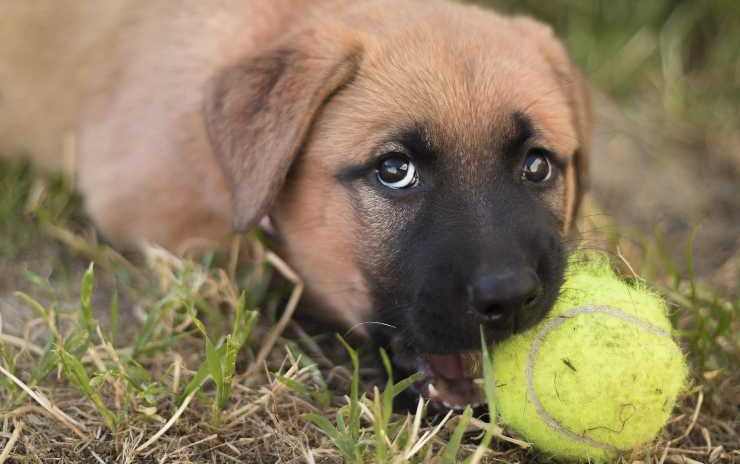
599, 375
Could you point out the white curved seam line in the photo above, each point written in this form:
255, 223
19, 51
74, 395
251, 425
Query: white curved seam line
551, 325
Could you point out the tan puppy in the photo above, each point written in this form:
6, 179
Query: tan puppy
421, 161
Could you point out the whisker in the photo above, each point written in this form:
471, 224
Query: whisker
359, 324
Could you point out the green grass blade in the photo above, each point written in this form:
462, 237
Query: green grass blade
228, 368
323, 424
344, 443
75, 372
354, 403
453, 447
150, 325
200, 377
388, 393
33, 304
213, 361
86, 291
404, 384
489, 383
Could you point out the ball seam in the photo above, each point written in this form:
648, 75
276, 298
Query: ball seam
553, 324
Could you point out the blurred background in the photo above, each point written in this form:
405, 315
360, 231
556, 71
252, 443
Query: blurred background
666, 159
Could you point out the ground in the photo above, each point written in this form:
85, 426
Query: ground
153, 358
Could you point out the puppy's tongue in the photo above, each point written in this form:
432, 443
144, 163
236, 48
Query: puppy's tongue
455, 366
449, 366
451, 379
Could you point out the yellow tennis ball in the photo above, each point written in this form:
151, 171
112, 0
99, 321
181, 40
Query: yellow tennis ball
599, 376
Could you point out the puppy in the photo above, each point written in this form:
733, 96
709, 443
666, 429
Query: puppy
421, 161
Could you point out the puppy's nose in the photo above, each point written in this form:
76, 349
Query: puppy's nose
496, 296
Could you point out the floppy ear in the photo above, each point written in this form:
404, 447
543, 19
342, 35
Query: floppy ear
259, 111
579, 95
577, 92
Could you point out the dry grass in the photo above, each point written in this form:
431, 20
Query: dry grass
156, 359
128, 362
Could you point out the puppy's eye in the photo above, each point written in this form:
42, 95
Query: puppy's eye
537, 167
397, 171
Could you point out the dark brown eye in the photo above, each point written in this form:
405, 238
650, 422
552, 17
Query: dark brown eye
536, 167
396, 171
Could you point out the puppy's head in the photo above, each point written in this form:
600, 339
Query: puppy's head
422, 165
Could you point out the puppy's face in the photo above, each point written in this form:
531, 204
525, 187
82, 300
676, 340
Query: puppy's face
435, 184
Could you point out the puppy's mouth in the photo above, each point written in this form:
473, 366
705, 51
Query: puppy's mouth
451, 381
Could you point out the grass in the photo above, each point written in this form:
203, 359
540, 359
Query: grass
180, 382
158, 358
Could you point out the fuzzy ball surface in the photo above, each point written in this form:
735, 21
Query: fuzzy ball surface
599, 376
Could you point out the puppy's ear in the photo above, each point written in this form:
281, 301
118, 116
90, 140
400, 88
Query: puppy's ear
259, 111
577, 92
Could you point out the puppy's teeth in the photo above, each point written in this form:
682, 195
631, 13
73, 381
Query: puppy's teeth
432, 391
455, 407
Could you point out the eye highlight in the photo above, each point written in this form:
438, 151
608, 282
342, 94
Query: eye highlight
396, 171
537, 167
